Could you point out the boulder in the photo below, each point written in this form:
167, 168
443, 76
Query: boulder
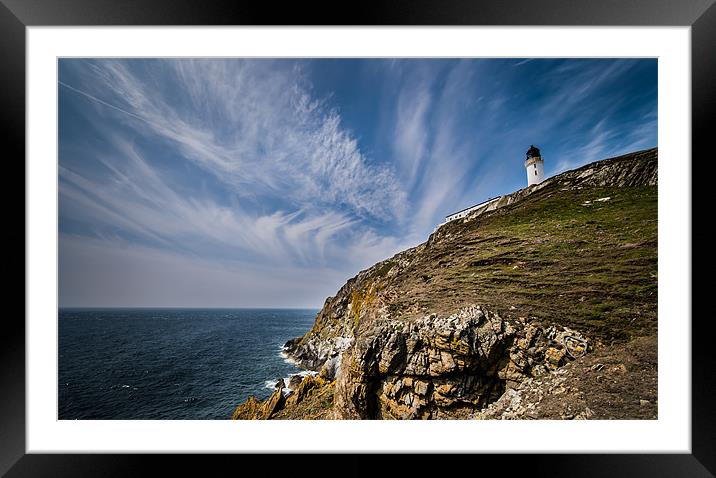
273, 404
294, 382
306, 387
254, 409
554, 357
249, 410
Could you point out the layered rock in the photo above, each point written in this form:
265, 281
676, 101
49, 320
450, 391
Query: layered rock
438, 367
304, 389
254, 409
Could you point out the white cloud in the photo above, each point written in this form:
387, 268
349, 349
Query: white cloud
449, 156
411, 134
252, 124
131, 195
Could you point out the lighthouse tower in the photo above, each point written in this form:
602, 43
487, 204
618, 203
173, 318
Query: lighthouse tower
534, 166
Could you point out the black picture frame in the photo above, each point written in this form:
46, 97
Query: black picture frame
16, 15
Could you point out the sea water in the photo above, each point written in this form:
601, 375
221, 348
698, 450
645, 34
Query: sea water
170, 364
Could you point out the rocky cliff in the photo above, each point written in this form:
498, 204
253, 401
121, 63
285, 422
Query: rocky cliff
492, 307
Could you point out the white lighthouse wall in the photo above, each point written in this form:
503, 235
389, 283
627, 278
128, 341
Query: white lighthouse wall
533, 178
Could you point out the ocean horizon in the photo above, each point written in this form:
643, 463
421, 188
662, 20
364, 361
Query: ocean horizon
126, 363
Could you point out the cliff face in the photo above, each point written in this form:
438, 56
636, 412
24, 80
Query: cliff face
493, 301
445, 367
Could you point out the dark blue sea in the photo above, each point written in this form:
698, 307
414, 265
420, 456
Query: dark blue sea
170, 364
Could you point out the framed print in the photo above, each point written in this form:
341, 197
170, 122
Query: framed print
442, 220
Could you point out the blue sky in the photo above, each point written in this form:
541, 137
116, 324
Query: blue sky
269, 182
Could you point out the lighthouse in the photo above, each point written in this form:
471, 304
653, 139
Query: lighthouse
534, 166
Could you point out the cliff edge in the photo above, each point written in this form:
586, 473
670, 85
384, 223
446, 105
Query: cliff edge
510, 312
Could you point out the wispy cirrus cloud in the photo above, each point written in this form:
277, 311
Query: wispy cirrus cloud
254, 126
131, 196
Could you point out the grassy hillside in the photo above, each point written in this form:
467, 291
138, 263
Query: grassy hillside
557, 255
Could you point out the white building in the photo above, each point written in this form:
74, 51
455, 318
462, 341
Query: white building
534, 166
464, 212
535, 175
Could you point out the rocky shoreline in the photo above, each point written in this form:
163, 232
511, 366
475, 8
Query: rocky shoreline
435, 367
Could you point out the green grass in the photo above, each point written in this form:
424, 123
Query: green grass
593, 267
